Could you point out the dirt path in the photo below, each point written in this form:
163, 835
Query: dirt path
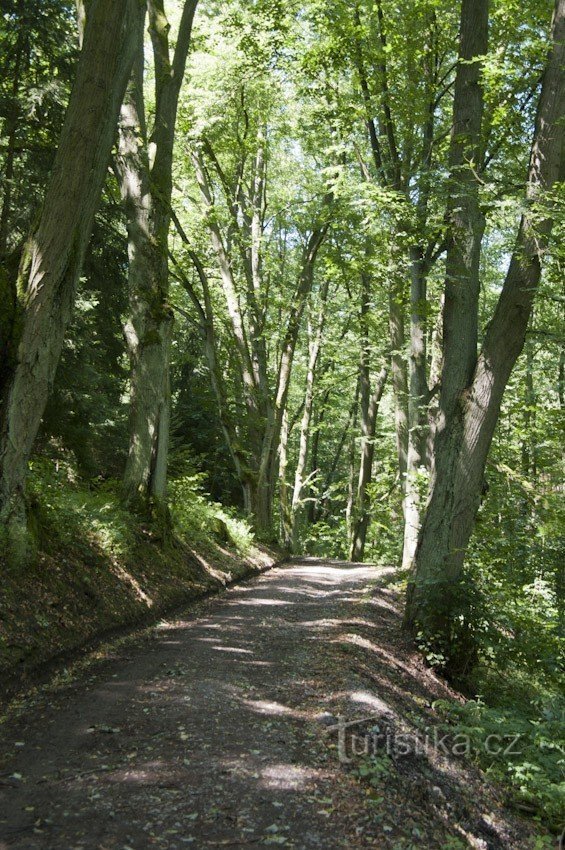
216, 730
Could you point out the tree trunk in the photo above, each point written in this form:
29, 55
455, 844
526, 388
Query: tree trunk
468, 415
398, 375
54, 254
284, 500
417, 407
460, 312
361, 514
146, 185
352, 466
312, 504
313, 354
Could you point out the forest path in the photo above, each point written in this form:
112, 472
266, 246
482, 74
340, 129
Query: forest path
215, 729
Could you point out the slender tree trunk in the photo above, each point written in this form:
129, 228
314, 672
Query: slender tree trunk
352, 464
398, 374
312, 505
416, 458
472, 388
284, 500
313, 354
145, 168
434, 380
361, 514
347, 429
54, 254
267, 468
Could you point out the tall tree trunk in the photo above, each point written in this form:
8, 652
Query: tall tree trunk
417, 407
361, 514
284, 499
314, 344
54, 254
472, 388
145, 169
352, 463
460, 312
267, 466
434, 381
312, 505
398, 374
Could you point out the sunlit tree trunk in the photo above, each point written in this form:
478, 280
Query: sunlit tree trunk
314, 344
145, 170
284, 494
352, 477
262, 411
416, 458
361, 513
398, 374
472, 387
369, 402
55, 250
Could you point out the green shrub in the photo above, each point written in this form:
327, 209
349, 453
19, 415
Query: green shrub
531, 749
198, 519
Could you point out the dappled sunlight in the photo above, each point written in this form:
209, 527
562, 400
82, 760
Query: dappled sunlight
288, 777
148, 773
234, 649
371, 702
275, 709
260, 601
232, 712
364, 643
308, 594
127, 577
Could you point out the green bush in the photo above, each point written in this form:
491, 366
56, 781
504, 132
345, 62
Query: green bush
198, 519
531, 757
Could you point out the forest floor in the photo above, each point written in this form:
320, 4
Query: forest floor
235, 725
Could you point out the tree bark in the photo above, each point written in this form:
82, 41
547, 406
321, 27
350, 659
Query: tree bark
361, 514
314, 345
55, 250
284, 500
398, 375
473, 387
145, 170
416, 457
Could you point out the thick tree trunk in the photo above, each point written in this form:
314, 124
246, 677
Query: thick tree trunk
472, 388
460, 313
53, 257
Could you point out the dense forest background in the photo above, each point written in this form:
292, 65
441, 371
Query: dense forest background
300, 307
